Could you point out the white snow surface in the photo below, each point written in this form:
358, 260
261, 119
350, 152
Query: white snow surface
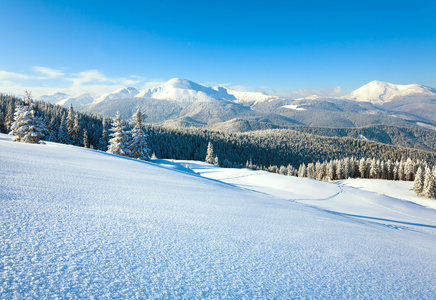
379, 92
293, 107
79, 223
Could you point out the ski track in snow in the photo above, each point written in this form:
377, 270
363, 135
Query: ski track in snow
78, 223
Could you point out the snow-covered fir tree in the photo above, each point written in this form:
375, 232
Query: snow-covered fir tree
209, 156
302, 172
429, 188
63, 137
310, 171
53, 129
9, 117
85, 139
138, 146
118, 144
102, 143
26, 127
70, 124
418, 183
409, 169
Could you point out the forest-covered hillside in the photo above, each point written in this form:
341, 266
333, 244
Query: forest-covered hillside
276, 147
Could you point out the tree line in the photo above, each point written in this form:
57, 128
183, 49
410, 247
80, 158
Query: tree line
280, 150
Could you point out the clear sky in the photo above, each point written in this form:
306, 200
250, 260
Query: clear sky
282, 47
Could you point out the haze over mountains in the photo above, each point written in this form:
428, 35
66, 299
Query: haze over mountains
181, 102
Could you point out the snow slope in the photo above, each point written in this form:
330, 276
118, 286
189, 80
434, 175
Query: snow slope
379, 92
381, 201
78, 223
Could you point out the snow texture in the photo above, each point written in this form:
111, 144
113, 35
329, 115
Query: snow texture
79, 223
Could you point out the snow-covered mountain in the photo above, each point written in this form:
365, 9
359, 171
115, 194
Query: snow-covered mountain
379, 92
120, 93
183, 90
77, 101
176, 89
179, 100
53, 98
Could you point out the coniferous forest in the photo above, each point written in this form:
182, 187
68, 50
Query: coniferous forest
285, 151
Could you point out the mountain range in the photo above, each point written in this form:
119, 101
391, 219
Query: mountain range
180, 102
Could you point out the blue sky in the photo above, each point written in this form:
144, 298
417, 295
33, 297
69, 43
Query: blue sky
282, 47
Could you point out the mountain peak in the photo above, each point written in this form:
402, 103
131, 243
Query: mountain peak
179, 83
120, 93
379, 92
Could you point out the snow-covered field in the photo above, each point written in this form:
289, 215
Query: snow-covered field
78, 223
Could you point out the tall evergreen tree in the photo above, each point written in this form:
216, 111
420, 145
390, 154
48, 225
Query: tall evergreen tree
70, 124
63, 132
118, 143
409, 169
102, 143
76, 135
138, 146
53, 129
209, 155
9, 118
418, 184
85, 139
429, 188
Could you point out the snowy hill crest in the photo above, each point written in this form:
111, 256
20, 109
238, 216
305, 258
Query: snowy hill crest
379, 92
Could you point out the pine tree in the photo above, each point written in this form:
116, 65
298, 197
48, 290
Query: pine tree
429, 188
362, 168
302, 172
26, 127
217, 163
339, 170
9, 118
70, 124
401, 171
63, 132
418, 184
118, 143
138, 146
310, 171
374, 170
409, 169
209, 156
53, 130
85, 139
76, 138
102, 143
